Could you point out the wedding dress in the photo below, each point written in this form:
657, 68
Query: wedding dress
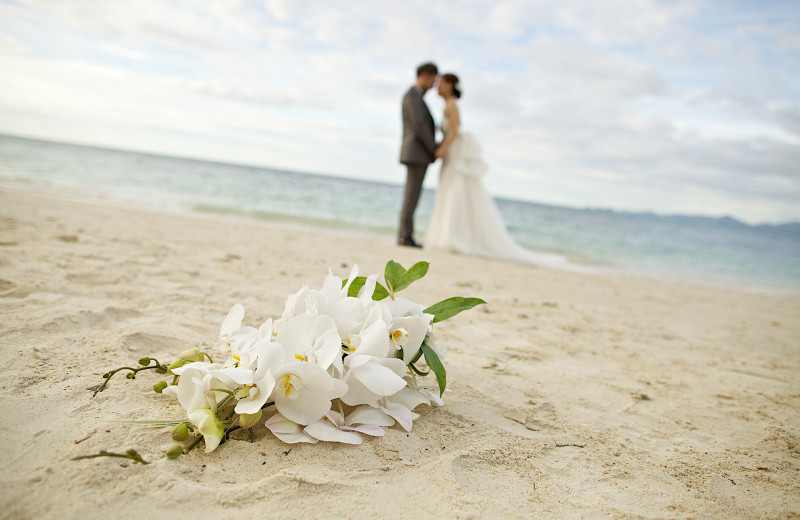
465, 218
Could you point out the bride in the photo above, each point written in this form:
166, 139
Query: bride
465, 218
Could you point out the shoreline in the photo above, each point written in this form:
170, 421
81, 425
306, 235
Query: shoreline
573, 395
312, 225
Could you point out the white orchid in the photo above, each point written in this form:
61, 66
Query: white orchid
314, 303
255, 385
243, 343
408, 326
369, 378
397, 411
368, 335
332, 345
207, 424
326, 429
312, 339
197, 387
304, 391
360, 420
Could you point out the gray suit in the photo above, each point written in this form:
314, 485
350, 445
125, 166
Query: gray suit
417, 152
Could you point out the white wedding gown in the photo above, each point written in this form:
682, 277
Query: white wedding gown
465, 218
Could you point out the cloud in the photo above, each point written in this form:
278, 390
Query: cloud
640, 104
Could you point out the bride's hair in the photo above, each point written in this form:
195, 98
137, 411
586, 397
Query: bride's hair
453, 80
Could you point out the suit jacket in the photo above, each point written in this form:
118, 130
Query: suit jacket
419, 141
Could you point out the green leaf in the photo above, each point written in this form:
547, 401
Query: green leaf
393, 274
435, 363
358, 282
450, 307
397, 278
416, 272
355, 285
380, 292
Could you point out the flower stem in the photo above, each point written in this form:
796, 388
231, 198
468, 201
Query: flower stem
417, 371
130, 454
131, 374
192, 445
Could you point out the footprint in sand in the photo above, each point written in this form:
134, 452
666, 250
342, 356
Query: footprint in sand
6, 287
492, 474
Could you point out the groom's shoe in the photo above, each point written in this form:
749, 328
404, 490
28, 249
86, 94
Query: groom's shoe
408, 242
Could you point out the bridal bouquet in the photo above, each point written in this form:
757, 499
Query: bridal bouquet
341, 361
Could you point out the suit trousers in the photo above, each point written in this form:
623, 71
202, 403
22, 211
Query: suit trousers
415, 176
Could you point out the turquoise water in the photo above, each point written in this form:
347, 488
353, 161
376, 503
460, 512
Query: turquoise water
693, 248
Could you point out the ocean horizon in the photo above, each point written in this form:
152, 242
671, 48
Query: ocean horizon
719, 250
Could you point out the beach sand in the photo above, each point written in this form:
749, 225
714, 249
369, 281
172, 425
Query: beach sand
573, 395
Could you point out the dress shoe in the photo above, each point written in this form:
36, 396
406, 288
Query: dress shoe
408, 242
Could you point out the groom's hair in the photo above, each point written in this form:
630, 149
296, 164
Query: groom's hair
427, 68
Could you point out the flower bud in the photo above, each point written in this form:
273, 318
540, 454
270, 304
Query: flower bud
187, 356
180, 431
144, 361
175, 452
176, 364
160, 386
248, 420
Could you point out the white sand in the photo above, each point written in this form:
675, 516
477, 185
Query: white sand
573, 395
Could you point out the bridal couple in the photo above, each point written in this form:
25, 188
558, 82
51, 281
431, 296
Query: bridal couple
465, 218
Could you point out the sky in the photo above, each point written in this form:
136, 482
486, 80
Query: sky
680, 107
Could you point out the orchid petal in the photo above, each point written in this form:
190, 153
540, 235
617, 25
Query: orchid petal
306, 408
325, 431
240, 376
280, 424
288, 431
369, 429
401, 414
410, 398
335, 418
417, 329
232, 321
208, 425
368, 415
379, 379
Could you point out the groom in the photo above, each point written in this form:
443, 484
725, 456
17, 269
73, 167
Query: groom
419, 147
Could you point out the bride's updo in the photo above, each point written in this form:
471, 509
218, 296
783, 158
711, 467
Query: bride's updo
452, 79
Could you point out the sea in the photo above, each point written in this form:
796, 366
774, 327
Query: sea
679, 247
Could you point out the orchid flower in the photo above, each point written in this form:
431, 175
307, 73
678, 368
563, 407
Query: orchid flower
255, 386
207, 424
304, 391
331, 428
195, 387
396, 411
312, 339
369, 378
409, 326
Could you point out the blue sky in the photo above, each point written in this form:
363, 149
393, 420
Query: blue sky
672, 107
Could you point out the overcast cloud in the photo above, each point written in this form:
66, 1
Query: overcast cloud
672, 107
